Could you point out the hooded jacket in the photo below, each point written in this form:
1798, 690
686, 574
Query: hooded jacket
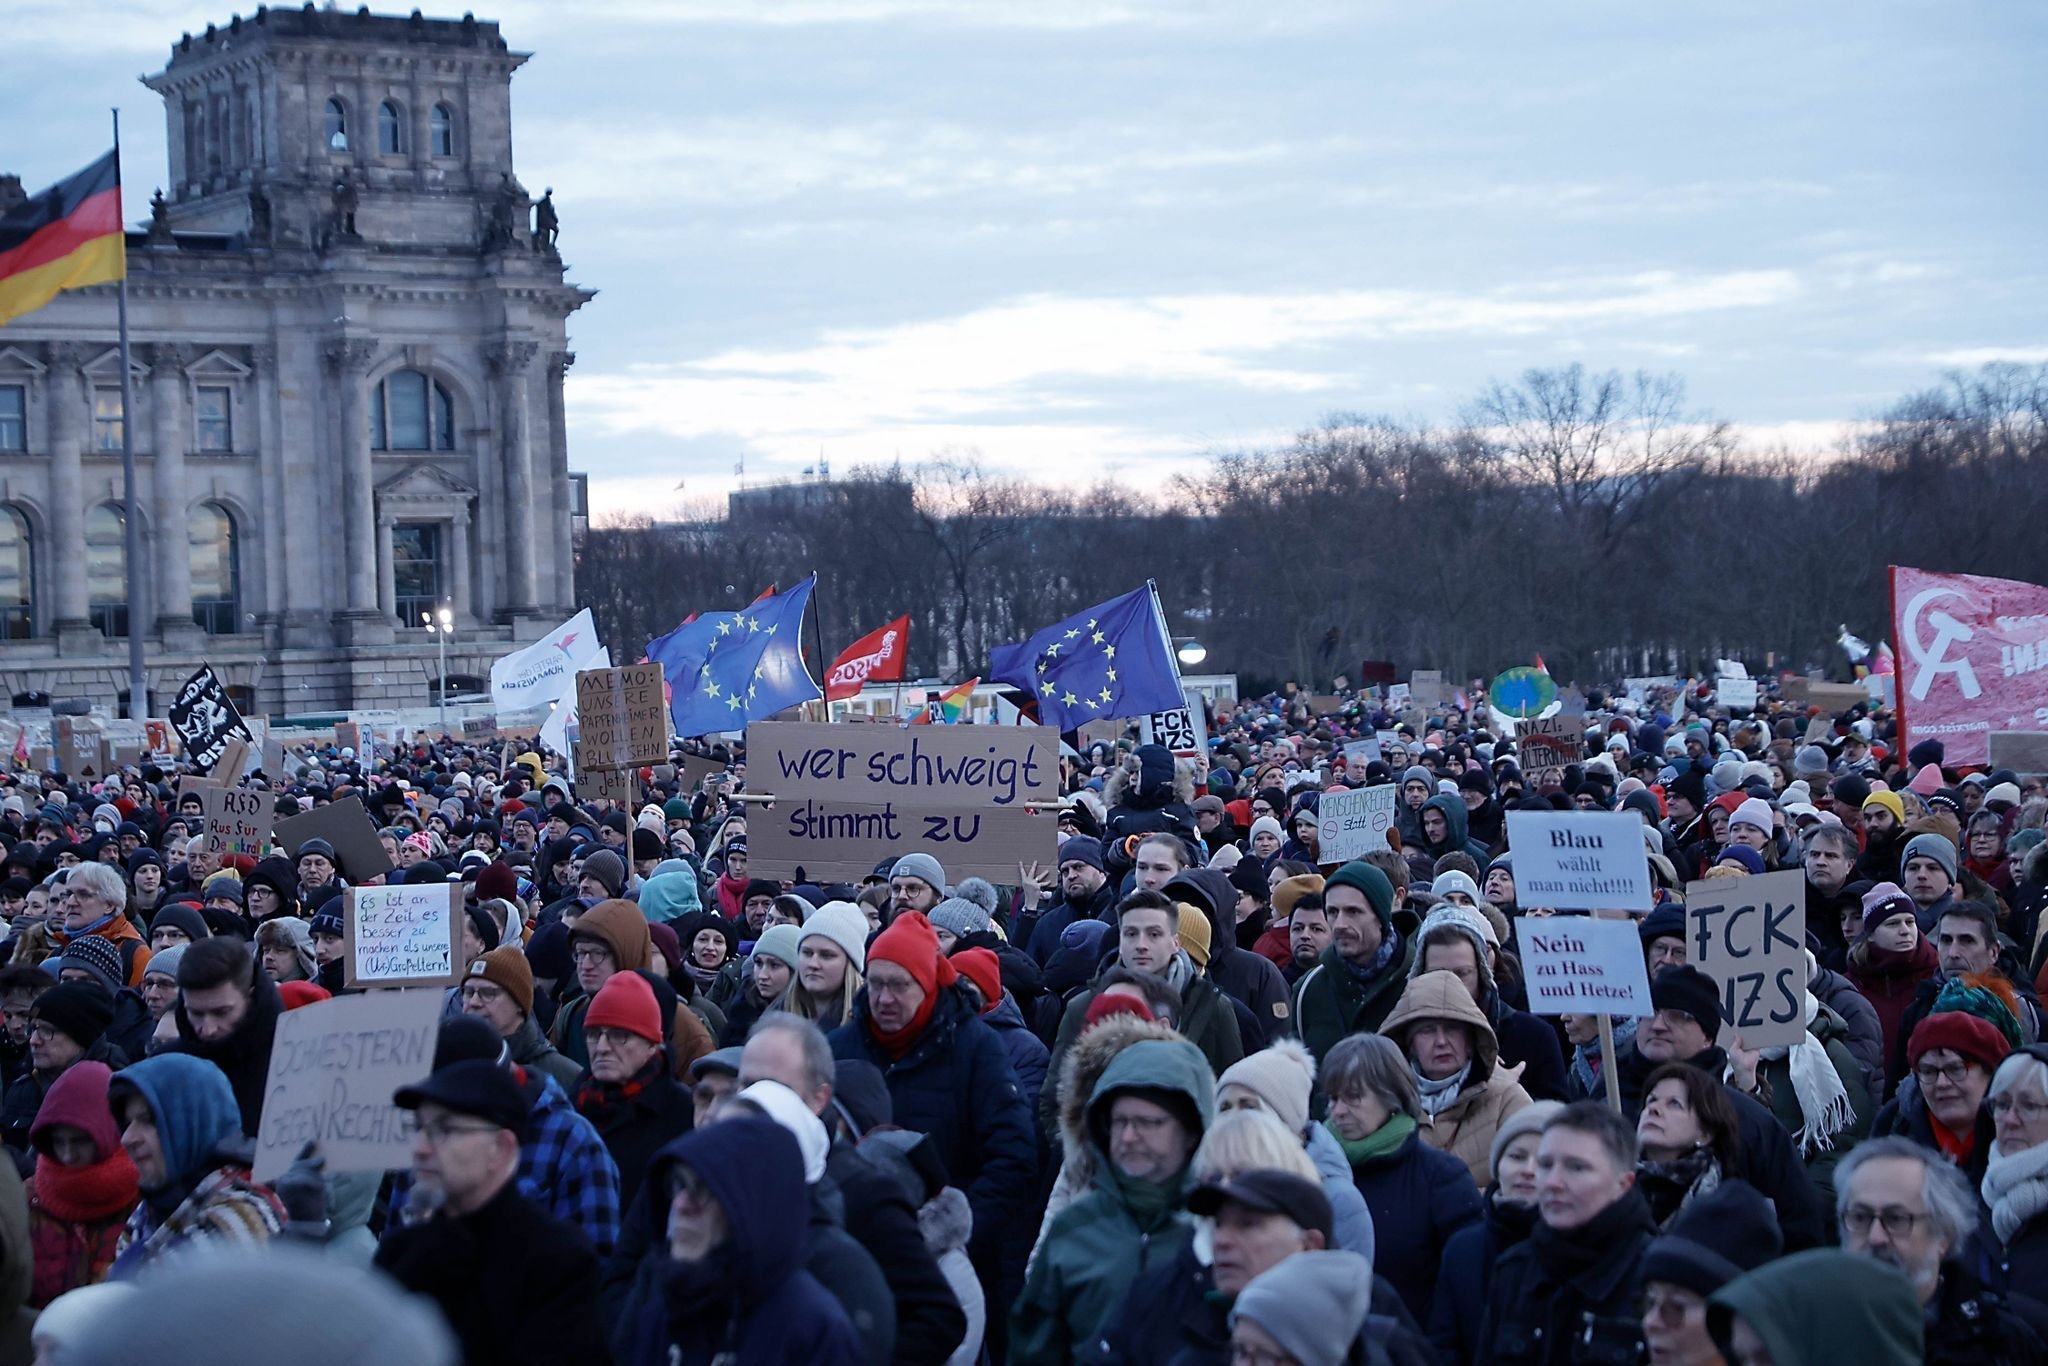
1872, 1319
1073, 1079
244, 1055
1206, 1021
1097, 1246
1464, 1128
1239, 972
621, 925
1457, 838
1160, 803
749, 1302
1330, 1002
76, 1214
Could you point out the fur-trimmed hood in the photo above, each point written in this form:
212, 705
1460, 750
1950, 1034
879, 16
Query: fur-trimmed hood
1117, 790
945, 1220
1088, 1057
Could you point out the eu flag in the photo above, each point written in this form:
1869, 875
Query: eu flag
725, 669
1110, 660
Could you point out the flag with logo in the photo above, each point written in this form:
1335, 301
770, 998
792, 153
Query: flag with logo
728, 668
529, 679
1972, 659
877, 657
1109, 660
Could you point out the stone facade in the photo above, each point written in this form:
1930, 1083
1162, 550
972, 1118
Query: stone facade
349, 339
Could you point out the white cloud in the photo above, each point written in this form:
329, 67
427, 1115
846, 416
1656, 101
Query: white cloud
1970, 357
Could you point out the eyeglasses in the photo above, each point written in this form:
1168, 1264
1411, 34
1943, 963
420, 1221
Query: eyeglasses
611, 1038
1140, 1124
1954, 1073
1897, 1222
590, 953
2009, 1104
481, 993
439, 1131
1667, 1308
43, 1033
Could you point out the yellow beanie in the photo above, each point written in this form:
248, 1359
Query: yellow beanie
1194, 933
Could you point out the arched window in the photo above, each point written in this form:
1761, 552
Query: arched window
17, 577
390, 129
441, 129
215, 564
106, 570
337, 127
411, 412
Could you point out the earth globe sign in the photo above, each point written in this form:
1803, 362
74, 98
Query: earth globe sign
1522, 692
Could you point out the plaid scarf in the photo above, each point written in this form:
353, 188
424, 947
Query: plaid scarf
608, 1104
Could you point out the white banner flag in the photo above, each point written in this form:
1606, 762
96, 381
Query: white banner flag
529, 679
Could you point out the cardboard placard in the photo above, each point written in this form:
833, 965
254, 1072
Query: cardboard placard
695, 768
334, 1066
1426, 687
1354, 822
1359, 753
349, 735
404, 936
606, 784
157, 735
1736, 694
347, 826
847, 797
621, 717
1181, 730
273, 757
1580, 860
1749, 935
1400, 695
1583, 965
1325, 704
477, 729
2022, 751
238, 820
1829, 697
233, 764
77, 745
1549, 742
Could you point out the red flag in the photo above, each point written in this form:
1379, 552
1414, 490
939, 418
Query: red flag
766, 594
1973, 660
877, 657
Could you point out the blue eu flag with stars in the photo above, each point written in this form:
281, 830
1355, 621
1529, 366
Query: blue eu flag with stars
725, 669
1110, 660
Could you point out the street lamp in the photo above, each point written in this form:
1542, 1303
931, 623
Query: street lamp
441, 624
1191, 652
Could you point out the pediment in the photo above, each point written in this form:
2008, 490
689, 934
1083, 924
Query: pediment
14, 361
424, 482
107, 365
218, 365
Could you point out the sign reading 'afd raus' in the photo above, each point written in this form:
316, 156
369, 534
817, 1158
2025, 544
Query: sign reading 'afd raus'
847, 797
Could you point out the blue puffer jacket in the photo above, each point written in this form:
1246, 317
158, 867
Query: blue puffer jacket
1029, 1056
955, 1085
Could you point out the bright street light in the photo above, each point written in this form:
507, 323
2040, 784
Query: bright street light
1192, 652
442, 624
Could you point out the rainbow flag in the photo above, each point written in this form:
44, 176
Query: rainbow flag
948, 708
67, 237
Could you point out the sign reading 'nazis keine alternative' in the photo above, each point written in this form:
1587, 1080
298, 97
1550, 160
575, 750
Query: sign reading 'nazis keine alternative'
848, 796
1580, 860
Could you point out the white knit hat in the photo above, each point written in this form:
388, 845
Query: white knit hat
846, 925
1280, 1077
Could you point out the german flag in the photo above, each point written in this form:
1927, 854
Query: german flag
67, 237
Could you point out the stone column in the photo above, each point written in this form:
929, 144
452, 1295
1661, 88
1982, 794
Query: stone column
68, 434
387, 569
167, 447
558, 463
509, 362
458, 564
348, 359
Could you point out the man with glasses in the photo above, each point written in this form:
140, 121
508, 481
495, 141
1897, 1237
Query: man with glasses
1900, 1204
67, 1024
498, 989
514, 1284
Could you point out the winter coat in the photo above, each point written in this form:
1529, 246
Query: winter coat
1466, 1274
955, 1085
1545, 1307
24, 1099
636, 1121
1029, 1057
1351, 1221
1419, 1197
1889, 982
1776, 1076
1457, 838
514, 1285
1100, 1244
1530, 1044
1330, 1002
1160, 803
17, 1319
1862, 1026
530, 1049
132, 1025
620, 924
76, 1214
225, 1208
850, 1275
1206, 1021
1172, 1315
753, 1303
1074, 1075
1464, 1128
920, 1239
1239, 972
245, 1053
1972, 1323
945, 1221
1044, 940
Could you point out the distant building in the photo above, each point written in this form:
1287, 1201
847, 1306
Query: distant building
765, 502
350, 335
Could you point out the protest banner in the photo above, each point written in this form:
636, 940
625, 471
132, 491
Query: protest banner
1184, 730
157, 735
1580, 860
238, 819
347, 826
695, 768
478, 729
1829, 697
1583, 965
529, 679
1749, 935
2022, 751
621, 716
1736, 694
334, 1066
404, 936
1353, 822
205, 719
1549, 742
349, 735
1426, 687
1973, 657
845, 797
1359, 753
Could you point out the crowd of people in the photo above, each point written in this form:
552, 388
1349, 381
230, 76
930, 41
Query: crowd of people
1182, 1092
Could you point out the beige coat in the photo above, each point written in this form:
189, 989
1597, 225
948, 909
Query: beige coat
1465, 1128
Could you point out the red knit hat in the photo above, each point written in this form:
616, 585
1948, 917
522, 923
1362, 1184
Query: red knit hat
911, 944
296, 994
1973, 1038
1110, 1003
625, 1002
980, 967
497, 882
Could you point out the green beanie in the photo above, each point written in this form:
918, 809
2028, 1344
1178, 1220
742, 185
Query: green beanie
1362, 877
675, 809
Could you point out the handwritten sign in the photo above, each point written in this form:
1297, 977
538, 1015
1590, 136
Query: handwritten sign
334, 1066
1426, 687
1181, 730
1580, 860
1583, 965
476, 729
622, 716
237, 819
1353, 823
1550, 742
404, 936
349, 735
849, 796
1749, 935
1736, 694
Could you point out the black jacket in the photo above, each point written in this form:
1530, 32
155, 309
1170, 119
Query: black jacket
1972, 1323
1533, 1043
1243, 975
515, 1286
1044, 938
245, 1053
635, 1129
880, 1217
1467, 1274
1573, 1298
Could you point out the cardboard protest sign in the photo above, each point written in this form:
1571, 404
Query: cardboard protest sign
404, 936
2022, 751
1325, 704
77, 745
238, 820
157, 735
1583, 965
1580, 860
695, 768
1426, 687
476, 729
1829, 697
1736, 694
621, 716
205, 719
848, 796
346, 826
1400, 694
1182, 730
348, 735
1549, 742
1749, 935
1359, 753
1352, 823
334, 1066
233, 764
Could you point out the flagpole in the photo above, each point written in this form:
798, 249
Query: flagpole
138, 685
1159, 616
818, 639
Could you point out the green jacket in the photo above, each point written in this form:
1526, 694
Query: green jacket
1872, 1317
1097, 1246
1331, 1004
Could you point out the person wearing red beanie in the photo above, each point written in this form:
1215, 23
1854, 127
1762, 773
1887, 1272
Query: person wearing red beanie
905, 971
1952, 1056
1108, 1003
625, 1002
980, 967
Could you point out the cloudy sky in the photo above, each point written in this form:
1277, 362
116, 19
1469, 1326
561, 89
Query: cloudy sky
1089, 237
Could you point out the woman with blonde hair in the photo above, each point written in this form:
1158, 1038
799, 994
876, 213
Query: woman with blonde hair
831, 952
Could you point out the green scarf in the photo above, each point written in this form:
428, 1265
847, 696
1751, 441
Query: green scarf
1383, 1141
1151, 1203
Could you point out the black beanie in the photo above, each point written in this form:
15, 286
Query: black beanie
82, 1010
646, 845
1248, 875
1851, 790
1688, 991
486, 928
1927, 752
1691, 785
1730, 1230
